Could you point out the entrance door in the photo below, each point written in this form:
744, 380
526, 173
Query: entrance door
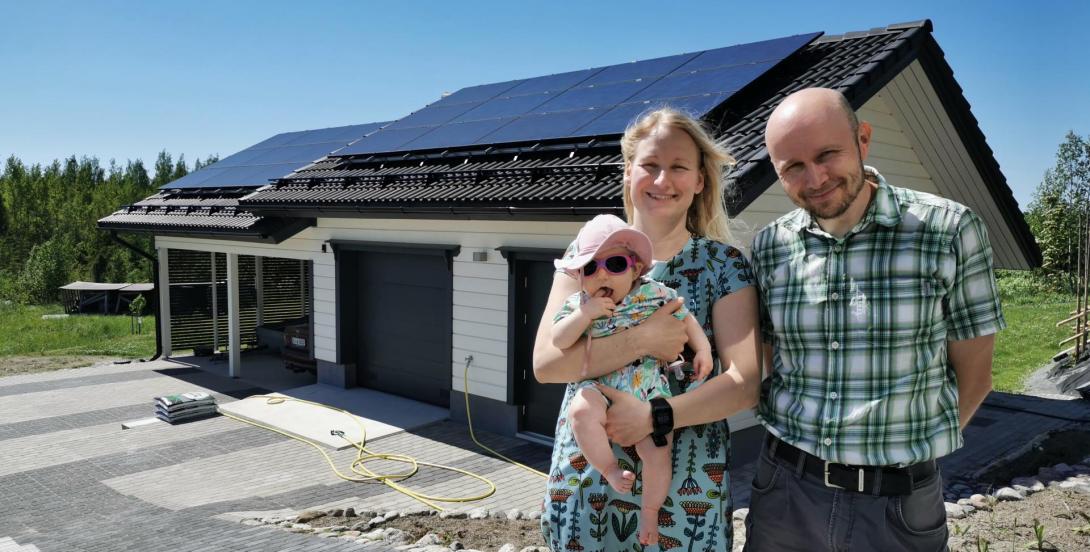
403, 325
539, 403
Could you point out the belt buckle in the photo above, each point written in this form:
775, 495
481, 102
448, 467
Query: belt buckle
862, 479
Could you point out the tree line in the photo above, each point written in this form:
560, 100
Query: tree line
48, 214
1060, 205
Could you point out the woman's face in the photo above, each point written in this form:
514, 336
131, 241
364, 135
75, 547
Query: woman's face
665, 174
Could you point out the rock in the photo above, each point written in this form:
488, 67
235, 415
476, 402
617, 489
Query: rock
300, 528
453, 515
392, 514
1063, 468
350, 512
377, 520
1080, 468
309, 516
365, 514
955, 511
285, 524
374, 534
740, 514
429, 539
326, 534
252, 522
534, 549
980, 502
507, 548
513, 514
362, 525
337, 528
533, 514
1083, 488
351, 534
1007, 493
456, 545
393, 535
1070, 484
478, 513
963, 502
339, 512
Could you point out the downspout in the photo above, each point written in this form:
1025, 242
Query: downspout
155, 278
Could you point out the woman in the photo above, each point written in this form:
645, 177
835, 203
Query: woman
672, 192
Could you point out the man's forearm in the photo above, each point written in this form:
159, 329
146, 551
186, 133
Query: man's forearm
972, 362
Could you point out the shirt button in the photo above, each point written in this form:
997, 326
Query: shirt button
835, 345
833, 395
828, 441
835, 296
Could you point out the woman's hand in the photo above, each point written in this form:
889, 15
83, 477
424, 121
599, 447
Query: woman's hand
628, 419
662, 335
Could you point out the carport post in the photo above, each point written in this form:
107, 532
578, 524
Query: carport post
234, 339
164, 301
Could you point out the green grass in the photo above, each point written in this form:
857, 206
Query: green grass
1030, 340
25, 333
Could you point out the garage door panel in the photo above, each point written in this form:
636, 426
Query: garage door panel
404, 325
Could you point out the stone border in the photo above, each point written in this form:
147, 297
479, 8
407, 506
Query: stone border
365, 526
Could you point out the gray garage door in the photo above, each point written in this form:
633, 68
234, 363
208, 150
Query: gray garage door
402, 334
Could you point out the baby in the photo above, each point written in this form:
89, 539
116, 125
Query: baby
610, 262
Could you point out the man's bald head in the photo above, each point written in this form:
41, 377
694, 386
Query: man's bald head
813, 100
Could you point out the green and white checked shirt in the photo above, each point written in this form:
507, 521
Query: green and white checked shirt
859, 326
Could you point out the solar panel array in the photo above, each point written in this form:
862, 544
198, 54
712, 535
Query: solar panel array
590, 102
272, 158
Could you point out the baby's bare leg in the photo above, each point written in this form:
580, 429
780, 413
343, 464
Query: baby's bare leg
657, 473
587, 414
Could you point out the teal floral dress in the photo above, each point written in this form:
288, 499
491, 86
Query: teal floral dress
582, 513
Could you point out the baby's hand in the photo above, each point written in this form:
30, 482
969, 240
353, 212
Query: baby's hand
702, 364
597, 307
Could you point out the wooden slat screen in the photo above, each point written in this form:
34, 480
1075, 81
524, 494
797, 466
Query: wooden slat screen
287, 289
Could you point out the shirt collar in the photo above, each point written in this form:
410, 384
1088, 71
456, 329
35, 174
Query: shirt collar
884, 209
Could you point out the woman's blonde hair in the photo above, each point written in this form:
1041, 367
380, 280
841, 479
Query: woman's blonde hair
707, 215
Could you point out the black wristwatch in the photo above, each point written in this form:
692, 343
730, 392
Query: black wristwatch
662, 420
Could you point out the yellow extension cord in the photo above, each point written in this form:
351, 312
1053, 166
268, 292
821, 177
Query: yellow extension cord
363, 474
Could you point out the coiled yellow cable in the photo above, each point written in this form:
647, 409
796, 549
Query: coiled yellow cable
392, 480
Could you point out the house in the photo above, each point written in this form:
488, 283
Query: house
424, 245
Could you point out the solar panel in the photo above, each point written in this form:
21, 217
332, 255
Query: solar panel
272, 158
590, 102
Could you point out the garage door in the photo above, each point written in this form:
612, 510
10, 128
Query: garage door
403, 324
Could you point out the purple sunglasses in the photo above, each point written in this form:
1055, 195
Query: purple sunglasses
614, 264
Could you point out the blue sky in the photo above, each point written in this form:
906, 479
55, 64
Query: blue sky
123, 80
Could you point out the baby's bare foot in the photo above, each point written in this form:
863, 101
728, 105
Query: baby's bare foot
620, 480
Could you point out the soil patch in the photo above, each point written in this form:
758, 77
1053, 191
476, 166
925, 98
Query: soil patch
1063, 515
12, 365
474, 534
1061, 447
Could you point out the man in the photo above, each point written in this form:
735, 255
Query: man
879, 309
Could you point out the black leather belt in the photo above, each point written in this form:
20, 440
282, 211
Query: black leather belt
888, 480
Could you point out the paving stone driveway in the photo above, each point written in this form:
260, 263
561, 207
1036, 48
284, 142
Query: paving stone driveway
71, 479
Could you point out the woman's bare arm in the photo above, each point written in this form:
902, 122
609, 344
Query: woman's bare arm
661, 336
737, 340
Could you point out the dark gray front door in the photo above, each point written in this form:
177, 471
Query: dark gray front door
539, 403
404, 325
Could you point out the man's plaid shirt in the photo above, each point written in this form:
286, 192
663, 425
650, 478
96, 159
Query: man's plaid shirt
859, 326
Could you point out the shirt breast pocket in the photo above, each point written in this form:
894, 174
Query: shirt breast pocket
897, 311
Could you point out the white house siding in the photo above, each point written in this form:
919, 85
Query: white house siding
915, 104
479, 288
